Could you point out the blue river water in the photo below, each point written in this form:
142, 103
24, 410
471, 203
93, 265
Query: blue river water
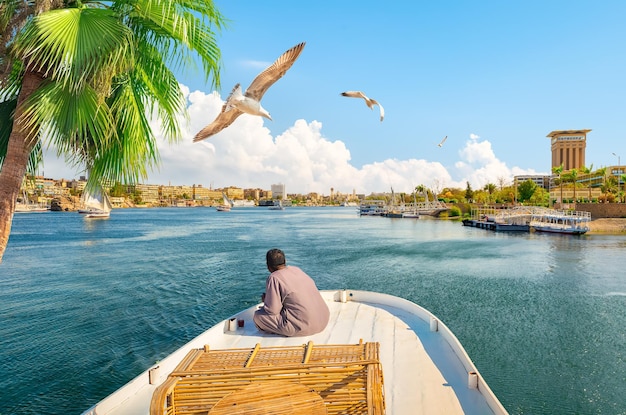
86, 305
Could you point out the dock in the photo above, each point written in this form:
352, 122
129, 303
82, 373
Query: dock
530, 218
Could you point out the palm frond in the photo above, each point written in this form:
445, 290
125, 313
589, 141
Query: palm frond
127, 158
163, 95
71, 45
175, 30
12, 82
77, 122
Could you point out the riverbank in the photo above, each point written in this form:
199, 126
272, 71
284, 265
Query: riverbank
607, 226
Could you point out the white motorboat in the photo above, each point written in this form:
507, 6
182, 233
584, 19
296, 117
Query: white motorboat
24, 205
277, 206
414, 365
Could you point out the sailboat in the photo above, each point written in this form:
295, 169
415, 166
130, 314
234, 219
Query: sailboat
226, 204
24, 205
95, 204
413, 212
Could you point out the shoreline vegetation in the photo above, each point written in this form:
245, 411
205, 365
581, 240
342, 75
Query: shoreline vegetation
599, 226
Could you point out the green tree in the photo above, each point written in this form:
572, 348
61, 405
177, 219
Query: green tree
526, 190
587, 170
118, 190
559, 170
469, 193
421, 189
602, 171
85, 76
490, 188
541, 197
623, 179
573, 177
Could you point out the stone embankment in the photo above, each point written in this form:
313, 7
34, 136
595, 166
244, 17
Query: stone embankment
65, 204
72, 203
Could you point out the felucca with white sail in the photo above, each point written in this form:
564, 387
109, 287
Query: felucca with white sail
95, 204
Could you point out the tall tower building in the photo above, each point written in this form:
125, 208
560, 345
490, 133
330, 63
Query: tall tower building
278, 191
568, 148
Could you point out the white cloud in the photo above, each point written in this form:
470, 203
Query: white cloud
246, 155
256, 64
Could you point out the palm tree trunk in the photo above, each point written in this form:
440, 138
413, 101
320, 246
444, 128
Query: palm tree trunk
14, 167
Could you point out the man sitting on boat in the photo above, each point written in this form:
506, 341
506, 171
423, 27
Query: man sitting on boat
293, 306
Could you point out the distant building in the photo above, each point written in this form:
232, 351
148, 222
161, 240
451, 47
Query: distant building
540, 180
234, 193
568, 148
204, 194
278, 191
256, 194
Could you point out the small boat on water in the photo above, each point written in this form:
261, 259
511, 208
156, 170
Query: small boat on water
226, 205
24, 205
95, 204
277, 206
378, 354
372, 208
243, 203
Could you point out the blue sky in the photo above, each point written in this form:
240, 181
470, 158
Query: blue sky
494, 77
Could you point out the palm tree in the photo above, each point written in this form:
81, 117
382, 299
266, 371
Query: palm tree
86, 76
421, 189
558, 170
602, 171
587, 170
623, 178
573, 174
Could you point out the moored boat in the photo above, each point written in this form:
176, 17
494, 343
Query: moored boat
560, 221
375, 208
24, 205
411, 363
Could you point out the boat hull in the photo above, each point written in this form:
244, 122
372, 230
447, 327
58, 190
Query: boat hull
425, 368
563, 231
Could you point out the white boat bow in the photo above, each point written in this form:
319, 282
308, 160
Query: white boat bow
425, 368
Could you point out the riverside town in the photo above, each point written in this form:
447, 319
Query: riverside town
571, 185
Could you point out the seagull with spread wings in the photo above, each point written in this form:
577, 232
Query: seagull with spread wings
442, 141
368, 101
250, 102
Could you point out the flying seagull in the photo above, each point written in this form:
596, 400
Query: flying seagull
370, 102
442, 141
250, 102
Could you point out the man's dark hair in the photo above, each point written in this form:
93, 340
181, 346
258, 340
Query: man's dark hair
275, 258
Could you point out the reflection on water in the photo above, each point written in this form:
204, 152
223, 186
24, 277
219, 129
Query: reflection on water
87, 305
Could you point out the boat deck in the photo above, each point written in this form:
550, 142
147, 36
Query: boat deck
425, 369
